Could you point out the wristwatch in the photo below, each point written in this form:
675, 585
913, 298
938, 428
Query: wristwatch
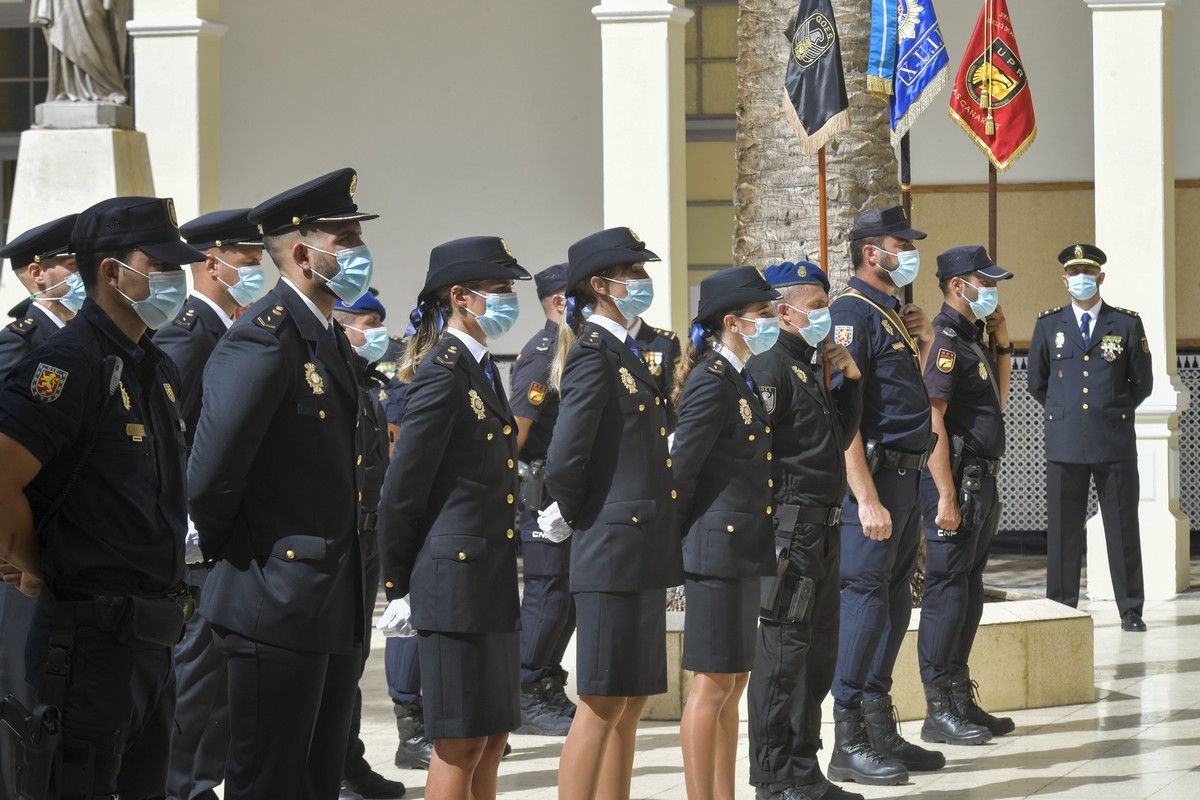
1005, 351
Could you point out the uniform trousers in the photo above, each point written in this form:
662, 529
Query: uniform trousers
793, 667
952, 603
356, 751
876, 594
289, 719
402, 666
1118, 489
547, 609
16, 612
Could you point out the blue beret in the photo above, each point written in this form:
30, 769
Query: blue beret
796, 274
363, 305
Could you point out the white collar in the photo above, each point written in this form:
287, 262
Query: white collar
324, 320
615, 328
636, 327
1079, 312
221, 315
53, 317
727, 354
478, 349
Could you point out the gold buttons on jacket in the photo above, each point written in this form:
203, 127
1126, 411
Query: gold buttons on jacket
641, 406
1087, 358
321, 413
729, 528
389, 585
360, 497
508, 430
509, 533
1085, 390
291, 555
767, 429
669, 462
769, 510
750, 438
510, 463
633, 520
769, 456
662, 431
658, 401
490, 437
770, 483
1085, 406
462, 556
1085, 373
509, 498
359, 459
674, 494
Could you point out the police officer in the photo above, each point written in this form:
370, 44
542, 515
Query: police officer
798, 630
229, 277
968, 389
660, 350
881, 518
42, 260
362, 322
1089, 365
274, 481
92, 506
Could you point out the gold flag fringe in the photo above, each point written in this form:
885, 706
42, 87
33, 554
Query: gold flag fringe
987, 151
812, 144
878, 85
905, 123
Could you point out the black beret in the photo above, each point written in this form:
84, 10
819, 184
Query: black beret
329, 198
799, 273
49, 240
608, 248
222, 229
732, 288
1087, 254
884, 221
474, 258
969, 259
551, 281
144, 223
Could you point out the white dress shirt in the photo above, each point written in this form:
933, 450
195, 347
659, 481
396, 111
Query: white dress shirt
1079, 312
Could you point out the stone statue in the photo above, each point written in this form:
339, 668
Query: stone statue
87, 44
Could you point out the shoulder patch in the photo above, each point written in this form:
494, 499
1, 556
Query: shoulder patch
48, 382
271, 319
945, 360
717, 368
843, 334
186, 319
591, 341
23, 327
1050, 311
536, 394
1124, 311
448, 357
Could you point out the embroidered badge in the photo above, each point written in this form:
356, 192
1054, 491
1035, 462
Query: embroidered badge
627, 380
801, 374
843, 335
887, 327
48, 382
653, 360
1145, 345
983, 373
537, 393
169, 391
476, 404
1060, 339
1111, 347
769, 395
744, 410
945, 360
313, 378
125, 397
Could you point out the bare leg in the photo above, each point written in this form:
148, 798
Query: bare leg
698, 730
453, 767
727, 739
617, 773
483, 782
583, 753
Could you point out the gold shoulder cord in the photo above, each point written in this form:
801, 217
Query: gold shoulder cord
895, 318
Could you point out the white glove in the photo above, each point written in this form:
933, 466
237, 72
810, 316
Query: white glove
552, 525
191, 544
397, 620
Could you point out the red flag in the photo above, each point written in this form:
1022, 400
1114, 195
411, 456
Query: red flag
990, 97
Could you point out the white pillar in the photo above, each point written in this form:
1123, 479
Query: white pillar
177, 80
644, 140
1135, 226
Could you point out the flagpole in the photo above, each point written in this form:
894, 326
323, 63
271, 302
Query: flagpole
992, 213
906, 194
823, 227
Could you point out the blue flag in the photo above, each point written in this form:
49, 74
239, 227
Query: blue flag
921, 64
881, 59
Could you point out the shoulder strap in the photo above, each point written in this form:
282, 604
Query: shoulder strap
892, 316
983, 359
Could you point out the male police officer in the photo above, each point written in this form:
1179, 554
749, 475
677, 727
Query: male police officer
1089, 365
547, 610
967, 391
274, 481
798, 634
229, 277
92, 504
881, 519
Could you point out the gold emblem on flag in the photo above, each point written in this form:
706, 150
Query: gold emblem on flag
313, 378
744, 410
997, 71
627, 380
476, 404
814, 37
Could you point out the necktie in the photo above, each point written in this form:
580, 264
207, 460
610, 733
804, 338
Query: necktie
1083, 328
633, 345
487, 369
750, 384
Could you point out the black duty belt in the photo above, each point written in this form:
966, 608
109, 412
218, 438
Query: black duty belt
988, 466
368, 521
898, 460
790, 516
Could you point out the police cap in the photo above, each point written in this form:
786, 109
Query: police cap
551, 281
49, 240
884, 222
1082, 254
228, 228
608, 248
145, 223
329, 198
969, 259
798, 273
473, 258
730, 289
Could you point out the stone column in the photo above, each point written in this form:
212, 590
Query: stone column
1135, 226
177, 81
644, 142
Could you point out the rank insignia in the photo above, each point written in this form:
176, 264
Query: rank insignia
125, 397
769, 395
627, 380
1060, 339
653, 360
887, 327
476, 404
48, 382
843, 335
313, 378
744, 410
945, 360
983, 373
537, 394
1111, 347
169, 392
801, 374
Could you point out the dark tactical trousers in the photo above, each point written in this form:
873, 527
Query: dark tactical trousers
356, 761
876, 596
16, 614
953, 599
793, 668
547, 608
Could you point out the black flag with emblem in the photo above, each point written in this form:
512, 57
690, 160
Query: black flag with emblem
815, 86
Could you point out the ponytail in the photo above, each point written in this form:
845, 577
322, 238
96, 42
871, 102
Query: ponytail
701, 336
577, 299
428, 318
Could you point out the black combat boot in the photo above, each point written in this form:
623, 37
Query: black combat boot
964, 691
541, 715
560, 694
883, 730
854, 759
944, 724
415, 750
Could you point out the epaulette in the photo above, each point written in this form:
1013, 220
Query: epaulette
1050, 311
448, 357
23, 327
271, 319
591, 341
186, 319
666, 333
1124, 311
717, 368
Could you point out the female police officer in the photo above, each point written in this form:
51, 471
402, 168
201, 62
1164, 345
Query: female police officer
723, 480
609, 471
447, 515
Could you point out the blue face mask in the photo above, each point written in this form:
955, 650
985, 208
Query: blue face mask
985, 302
819, 323
251, 284
638, 297
500, 314
354, 274
167, 292
907, 269
76, 294
376, 344
766, 333
1082, 286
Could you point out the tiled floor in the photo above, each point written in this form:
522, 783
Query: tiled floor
1140, 739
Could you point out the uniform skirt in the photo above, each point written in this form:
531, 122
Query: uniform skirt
470, 683
720, 623
621, 643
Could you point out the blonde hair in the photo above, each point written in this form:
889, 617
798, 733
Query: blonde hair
426, 337
581, 296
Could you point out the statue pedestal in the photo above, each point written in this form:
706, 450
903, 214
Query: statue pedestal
76, 116
61, 172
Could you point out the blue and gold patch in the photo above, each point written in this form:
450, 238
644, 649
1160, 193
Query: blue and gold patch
48, 382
